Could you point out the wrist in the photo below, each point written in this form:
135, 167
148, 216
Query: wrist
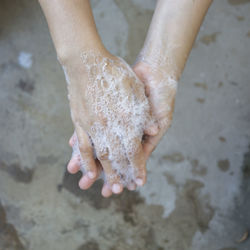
77, 65
157, 68
71, 55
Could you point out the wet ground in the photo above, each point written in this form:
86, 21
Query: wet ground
197, 195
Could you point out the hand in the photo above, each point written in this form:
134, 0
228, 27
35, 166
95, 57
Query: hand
161, 91
109, 110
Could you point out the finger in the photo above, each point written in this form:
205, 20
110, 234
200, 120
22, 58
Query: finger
106, 191
150, 143
73, 165
86, 151
152, 130
112, 177
86, 182
73, 139
137, 161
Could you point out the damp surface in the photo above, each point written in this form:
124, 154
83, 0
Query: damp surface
197, 191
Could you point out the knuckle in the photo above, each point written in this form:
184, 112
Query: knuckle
103, 155
165, 122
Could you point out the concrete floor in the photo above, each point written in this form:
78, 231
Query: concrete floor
197, 194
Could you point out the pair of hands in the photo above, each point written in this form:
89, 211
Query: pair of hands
120, 114
117, 126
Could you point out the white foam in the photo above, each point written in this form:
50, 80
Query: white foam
25, 59
65, 74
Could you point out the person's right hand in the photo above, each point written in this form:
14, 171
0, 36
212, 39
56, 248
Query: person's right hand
161, 91
110, 111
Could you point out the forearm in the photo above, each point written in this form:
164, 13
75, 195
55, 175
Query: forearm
72, 27
173, 29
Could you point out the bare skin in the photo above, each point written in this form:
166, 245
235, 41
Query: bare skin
173, 30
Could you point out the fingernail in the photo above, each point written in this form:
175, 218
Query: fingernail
116, 188
91, 175
139, 182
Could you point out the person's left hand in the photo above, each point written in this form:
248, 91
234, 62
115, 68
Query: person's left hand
109, 108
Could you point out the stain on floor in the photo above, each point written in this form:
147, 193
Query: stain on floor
197, 168
27, 86
200, 100
92, 195
17, 172
90, 245
9, 239
223, 165
240, 18
211, 38
238, 2
201, 85
222, 139
174, 157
